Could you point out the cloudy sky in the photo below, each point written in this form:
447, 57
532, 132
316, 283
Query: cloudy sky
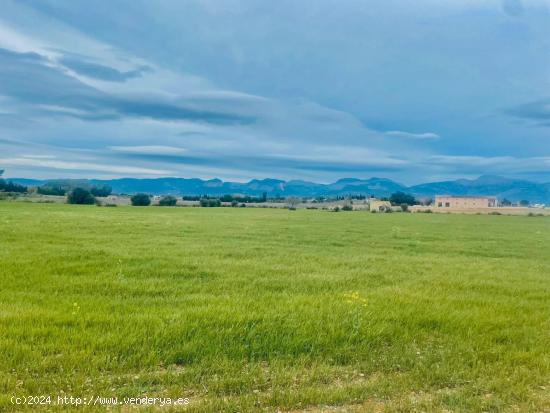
239, 89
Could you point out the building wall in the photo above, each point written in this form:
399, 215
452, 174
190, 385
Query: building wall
458, 202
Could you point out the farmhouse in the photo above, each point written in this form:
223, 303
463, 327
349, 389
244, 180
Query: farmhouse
379, 206
465, 202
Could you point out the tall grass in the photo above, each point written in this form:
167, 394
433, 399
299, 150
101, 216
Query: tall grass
263, 310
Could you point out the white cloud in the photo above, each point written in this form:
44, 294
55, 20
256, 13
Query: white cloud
409, 135
81, 166
13, 40
490, 164
32, 156
149, 150
472, 160
345, 154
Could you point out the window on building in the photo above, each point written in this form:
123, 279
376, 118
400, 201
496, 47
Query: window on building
447, 204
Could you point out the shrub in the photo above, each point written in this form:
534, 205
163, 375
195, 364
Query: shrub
336, 209
140, 200
293, 202
494, 213
168, 200
80, 196
404, 207
347, 208
210, 203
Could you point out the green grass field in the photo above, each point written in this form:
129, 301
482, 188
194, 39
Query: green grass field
250, 310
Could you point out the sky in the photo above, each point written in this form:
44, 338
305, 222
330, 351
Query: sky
317, 90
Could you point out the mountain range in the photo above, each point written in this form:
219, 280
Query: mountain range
512, 189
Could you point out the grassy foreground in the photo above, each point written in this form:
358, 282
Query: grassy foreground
263, 310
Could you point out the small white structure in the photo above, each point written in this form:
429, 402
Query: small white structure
379, 206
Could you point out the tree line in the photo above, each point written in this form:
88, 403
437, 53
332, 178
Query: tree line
85, 194
8, 186
61, 189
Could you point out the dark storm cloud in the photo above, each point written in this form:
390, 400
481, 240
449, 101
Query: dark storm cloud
102, 72
537, 111
313, 88
32, 79
28, 78
263, 162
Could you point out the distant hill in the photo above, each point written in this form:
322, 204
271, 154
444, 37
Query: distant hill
512, 189
26, 182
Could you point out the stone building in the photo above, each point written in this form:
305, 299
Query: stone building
465, 202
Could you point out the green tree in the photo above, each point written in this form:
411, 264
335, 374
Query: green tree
214, 203
168, 200
51, 190
140, 200
398, 198
102, 191
80, 196
8, 186
524, 202
210, 202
